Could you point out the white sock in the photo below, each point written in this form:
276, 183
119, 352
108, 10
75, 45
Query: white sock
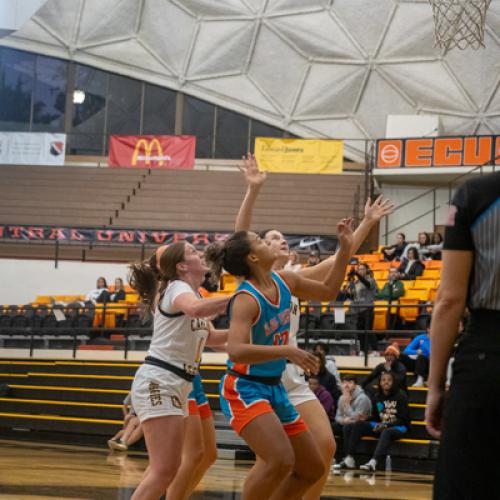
420, 380
373, 462
349, 460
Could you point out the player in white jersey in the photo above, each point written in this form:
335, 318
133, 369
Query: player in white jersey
168, 283
293, 379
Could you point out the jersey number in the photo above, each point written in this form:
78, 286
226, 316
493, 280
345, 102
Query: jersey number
281, 338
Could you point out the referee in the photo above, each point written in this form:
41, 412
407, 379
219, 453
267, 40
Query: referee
467, 419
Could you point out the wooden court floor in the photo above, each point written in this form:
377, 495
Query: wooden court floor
38, 471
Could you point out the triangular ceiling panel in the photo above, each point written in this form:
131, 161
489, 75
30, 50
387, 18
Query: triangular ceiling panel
364, 21
159, 18
221, 46
63, 26
317, 35
277, 6
117, 20
137, 55
330, 90
219, 8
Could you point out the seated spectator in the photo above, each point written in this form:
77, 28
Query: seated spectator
394, 252
331, 364
293, 263
324, 397
326, 379
389, 421
394, 288
119, 292
412, 266
422, 246
416, 356
100, 294
436, 246
354, 404
131, 431
392, 364
313, 258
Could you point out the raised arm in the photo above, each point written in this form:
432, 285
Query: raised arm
329, 287
254, 179
373, 214
240, 350
191, 305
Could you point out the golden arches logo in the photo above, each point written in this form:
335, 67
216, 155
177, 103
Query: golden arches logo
147, 157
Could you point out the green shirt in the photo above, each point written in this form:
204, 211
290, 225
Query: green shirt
392, 290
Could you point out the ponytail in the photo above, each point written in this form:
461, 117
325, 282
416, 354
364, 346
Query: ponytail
231, 255
144, 278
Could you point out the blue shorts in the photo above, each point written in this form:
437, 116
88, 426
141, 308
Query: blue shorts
243, 400
198, 401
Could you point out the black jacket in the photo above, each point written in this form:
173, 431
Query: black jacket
328, 381
397, 368
416, 269
391, 409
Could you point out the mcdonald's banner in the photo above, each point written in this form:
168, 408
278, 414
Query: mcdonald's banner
80, 235
438, 152
300, 156
152, 151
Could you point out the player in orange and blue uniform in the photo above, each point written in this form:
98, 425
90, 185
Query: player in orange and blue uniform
252, 395
245, 385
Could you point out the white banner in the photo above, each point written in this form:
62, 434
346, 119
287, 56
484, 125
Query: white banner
32, 148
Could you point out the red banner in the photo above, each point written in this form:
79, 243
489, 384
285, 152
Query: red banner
152, 151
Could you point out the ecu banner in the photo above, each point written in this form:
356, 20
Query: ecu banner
300, 156
152, 151
469, 151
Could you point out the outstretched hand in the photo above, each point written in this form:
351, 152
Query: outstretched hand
345, 232
378, 209
250, 170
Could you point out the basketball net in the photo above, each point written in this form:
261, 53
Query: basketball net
459, 23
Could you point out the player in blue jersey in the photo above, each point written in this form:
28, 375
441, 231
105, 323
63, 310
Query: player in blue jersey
252, 395
299, 394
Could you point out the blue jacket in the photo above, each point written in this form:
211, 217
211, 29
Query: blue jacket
422, 342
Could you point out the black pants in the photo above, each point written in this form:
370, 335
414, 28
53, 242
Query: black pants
419, 366
469, 456
364, 321
354, 432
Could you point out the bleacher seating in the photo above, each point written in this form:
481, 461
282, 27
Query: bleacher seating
80, 401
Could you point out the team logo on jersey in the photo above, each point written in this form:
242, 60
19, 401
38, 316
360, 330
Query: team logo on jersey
176, 402
154, 394
199, 324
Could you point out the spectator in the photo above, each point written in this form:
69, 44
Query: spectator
326, 379
416, 357
354, 404
392, 364
324, 396
131, 431
392, 291
412, 266
331, 364
389, 421
436, 246
394, 288
119, 292
100, 293
422, 246
293, 263
362, 289
313, 258
394, 252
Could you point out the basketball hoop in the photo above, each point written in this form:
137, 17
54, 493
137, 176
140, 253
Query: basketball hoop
459, 23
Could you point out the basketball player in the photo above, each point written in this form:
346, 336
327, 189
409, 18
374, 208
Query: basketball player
294, 381
469, 458
252, 396
168, 283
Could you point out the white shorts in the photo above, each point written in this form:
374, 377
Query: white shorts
296, 386
156, 392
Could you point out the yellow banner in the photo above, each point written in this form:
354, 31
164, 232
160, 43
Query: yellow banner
300, 156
